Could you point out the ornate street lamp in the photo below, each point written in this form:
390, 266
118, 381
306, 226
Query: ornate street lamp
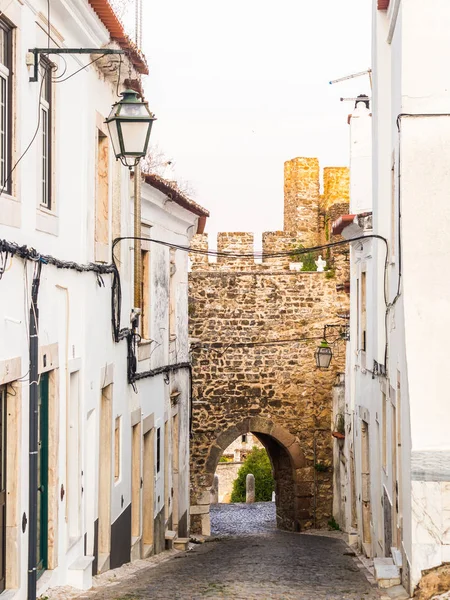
323, 355
130, 123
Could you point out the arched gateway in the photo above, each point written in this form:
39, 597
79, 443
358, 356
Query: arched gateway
294, 502
254, 328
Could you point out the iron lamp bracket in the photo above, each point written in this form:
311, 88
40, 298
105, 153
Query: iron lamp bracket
46, 51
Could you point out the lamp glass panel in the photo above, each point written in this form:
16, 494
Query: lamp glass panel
134, 137
325, 358
114, 135
134, 110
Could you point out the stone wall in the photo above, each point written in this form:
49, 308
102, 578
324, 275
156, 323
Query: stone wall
227, 473
257, 327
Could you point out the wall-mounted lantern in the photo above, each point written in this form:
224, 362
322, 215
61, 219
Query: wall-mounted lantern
130, 123
323, 355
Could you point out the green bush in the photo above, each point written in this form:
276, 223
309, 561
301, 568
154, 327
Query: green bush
258, 464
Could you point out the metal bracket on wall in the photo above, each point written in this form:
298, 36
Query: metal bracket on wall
38, 51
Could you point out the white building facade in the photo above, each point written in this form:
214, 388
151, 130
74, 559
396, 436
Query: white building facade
113, 410
397, 441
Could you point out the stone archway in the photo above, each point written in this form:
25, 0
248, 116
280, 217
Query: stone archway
294, 499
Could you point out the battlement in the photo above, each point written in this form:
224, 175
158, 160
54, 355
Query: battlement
307, 215
244, 243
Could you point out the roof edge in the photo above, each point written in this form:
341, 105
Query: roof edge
174, 194
111, 21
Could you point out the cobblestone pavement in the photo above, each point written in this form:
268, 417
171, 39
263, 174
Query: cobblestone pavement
254, 566
238, 519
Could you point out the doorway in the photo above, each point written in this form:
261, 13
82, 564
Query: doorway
365, 497
148, 492
136, 482
42, 468
175, 473
104, 477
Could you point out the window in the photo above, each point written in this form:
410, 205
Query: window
5, 104
393, 212
145, 283
363, 310
244, 439
158, 449
117, 450
145, 294
46, 133
358, 314
172, 297
383, 431
102, 199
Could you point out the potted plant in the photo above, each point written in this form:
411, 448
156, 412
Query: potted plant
339, 427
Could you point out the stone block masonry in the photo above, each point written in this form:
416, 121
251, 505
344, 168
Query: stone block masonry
257, 326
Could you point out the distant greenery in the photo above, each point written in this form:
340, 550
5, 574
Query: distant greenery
225, 459
308, 259
258, 464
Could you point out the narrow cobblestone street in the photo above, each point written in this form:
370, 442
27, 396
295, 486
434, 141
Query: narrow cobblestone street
265, 565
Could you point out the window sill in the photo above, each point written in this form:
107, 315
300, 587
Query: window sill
10, 211
47, 221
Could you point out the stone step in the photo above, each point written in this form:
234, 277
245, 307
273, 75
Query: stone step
170, 537
387, 574
79, 574
397, 557
103, 563
181, 544
397, 592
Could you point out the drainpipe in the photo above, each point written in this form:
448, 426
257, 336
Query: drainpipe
137, 234
315, 481
33, 436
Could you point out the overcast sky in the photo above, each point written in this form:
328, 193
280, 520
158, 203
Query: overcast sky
241, 86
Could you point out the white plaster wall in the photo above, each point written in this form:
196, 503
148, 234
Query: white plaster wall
360, 159
410, 51
79, 320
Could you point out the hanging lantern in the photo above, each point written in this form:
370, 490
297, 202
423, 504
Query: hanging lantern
323, 355
130, 123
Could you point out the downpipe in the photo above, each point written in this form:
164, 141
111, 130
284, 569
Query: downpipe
33, 436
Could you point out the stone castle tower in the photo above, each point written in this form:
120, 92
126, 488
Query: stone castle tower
255, 328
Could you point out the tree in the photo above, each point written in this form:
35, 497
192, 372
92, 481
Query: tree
156, 162
258, 464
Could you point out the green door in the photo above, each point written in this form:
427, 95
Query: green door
42, 500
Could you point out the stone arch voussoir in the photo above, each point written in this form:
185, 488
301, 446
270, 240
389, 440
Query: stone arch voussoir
271, 433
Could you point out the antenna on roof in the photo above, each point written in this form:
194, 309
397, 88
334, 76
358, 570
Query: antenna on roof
359, 99
353, 76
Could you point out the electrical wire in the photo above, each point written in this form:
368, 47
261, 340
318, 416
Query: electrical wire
58, 77
33, 255
255, 255
8, 178
116, 296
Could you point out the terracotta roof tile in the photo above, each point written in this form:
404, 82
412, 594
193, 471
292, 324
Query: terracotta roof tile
171, 190
111, 21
